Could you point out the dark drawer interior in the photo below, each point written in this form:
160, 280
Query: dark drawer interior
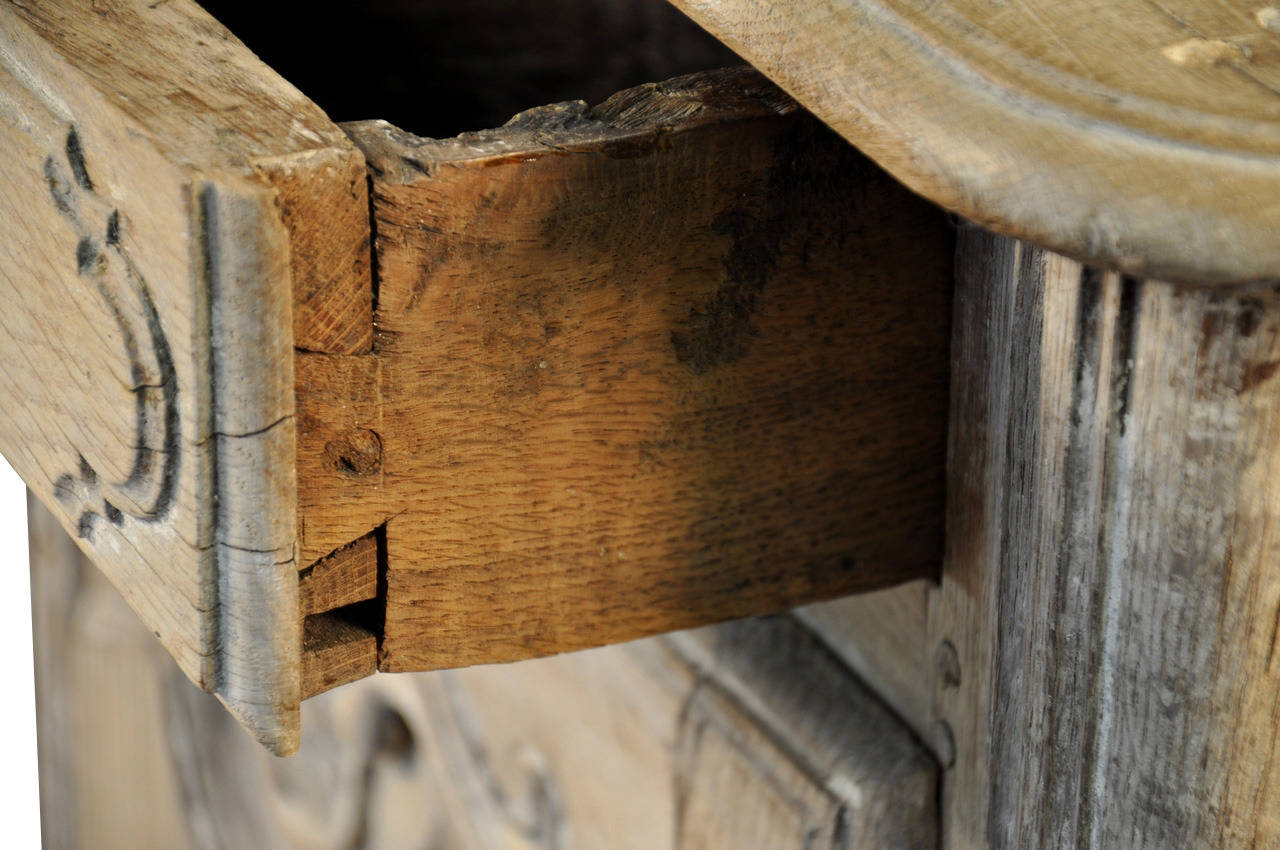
437, 68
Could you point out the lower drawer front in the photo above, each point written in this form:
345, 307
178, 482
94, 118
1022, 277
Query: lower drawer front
747, 735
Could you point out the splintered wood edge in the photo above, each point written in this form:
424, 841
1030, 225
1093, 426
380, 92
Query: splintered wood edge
1017, 155
630, 123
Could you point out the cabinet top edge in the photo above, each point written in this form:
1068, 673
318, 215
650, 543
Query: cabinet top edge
1139, 136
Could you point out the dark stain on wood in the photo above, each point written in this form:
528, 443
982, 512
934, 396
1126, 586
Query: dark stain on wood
719, 329
809, 159
1256, 373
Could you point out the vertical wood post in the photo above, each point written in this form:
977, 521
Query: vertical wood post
1105, 629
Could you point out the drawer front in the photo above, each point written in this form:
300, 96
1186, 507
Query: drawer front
151, 204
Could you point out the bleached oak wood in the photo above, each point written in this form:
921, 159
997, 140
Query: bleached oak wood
780, 805
1144, 135
1110, 587
793, 688
668, 361
159, 186
193, 414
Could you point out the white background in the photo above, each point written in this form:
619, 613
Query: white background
19, 791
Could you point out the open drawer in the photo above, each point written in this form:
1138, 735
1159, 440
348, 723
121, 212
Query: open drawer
322, 400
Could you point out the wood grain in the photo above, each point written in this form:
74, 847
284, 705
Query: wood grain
347, 576
335, 651
729, 757
961, 614
484, 60
341, 470
672, 360
153, 206
324, 203
790, 685
1140, 135
1109, 588
100, 695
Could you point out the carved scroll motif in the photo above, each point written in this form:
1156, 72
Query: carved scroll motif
146, 494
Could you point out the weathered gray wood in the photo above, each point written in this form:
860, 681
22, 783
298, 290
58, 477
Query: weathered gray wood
883, 637
1110, 590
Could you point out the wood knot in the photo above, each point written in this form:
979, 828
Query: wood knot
357, 452
1205, 53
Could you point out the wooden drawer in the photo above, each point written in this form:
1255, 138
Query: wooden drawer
326, 400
